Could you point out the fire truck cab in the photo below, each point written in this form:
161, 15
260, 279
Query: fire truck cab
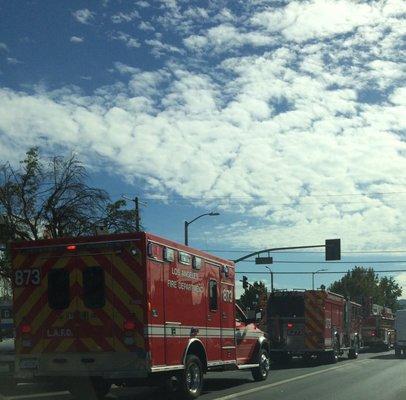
312, 323
128, 309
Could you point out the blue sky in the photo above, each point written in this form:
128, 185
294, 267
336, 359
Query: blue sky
286, 117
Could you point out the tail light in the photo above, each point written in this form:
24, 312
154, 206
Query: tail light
25, 328
373, 333
129, 325
290, 325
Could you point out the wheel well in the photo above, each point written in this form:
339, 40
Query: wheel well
261, 344
198, 350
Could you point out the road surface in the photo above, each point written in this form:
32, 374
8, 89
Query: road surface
373, 376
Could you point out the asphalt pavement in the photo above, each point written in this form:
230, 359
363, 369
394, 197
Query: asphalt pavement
373, 376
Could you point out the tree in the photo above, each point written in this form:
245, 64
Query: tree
389, 292
255, 296
362, 283
49, 198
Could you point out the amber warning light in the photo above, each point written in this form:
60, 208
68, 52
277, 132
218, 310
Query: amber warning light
71, 247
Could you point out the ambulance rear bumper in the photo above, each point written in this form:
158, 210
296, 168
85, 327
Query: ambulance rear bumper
112, 366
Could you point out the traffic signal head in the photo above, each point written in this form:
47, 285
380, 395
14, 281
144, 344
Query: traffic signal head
244, 282
333, 249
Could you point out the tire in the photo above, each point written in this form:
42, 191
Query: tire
261, 372
8, 387
191, 380
91, 388
398, 352
352, 354
331, 357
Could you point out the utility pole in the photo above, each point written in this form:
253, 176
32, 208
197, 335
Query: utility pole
137, 211
137, 214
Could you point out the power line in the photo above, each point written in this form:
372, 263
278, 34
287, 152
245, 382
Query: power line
311, 272
335, 262
306, 252
152, 197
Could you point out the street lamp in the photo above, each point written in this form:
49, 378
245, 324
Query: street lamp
271, 272
314, 273
187, 223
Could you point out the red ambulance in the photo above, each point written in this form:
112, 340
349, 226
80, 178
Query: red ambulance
128, 309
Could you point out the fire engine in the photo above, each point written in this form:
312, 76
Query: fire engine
378, 330
312, 323
128, 309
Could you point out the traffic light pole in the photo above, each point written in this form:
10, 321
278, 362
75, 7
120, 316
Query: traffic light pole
332, 246
257, 253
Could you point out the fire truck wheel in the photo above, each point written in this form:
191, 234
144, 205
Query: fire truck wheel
332, 357
261, 372
191, 382
307, 358
93, 388
353, 354
8, 387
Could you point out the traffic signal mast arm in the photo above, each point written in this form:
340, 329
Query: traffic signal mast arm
332, 247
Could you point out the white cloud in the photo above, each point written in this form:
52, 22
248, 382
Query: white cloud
76, 39
13, 61
84, 16
399, 96
159, 48
301, 21
129, 40
121, 17
143, 4
146, 26
125, 69
225, 37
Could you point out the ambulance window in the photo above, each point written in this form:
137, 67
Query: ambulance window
58, 289
169, 254
184, 258
197, 263
94, 287
213, 295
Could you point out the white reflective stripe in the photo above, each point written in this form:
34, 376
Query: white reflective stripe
155, 330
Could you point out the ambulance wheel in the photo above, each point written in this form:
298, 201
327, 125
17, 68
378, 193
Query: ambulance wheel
191, 382
92, 388
261, 372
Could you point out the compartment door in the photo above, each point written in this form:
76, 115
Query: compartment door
95, 301
228, 349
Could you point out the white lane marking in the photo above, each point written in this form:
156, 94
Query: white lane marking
279, 383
